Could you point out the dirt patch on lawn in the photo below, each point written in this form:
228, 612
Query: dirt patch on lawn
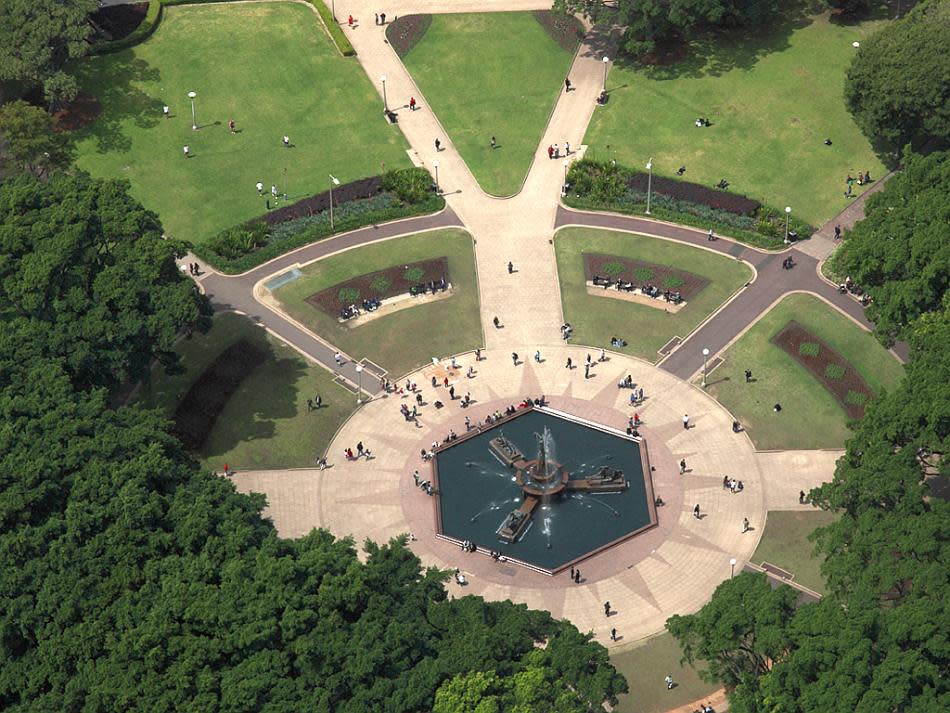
830, 368
566, 30
642, 273
81, 112
198, 412
405, 32
392, 281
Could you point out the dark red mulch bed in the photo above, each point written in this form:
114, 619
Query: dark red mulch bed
790, 340
692, 284
405, 32
328, 300
199, 410
81, 112
566, 30
696, 193
363, 188
118, 21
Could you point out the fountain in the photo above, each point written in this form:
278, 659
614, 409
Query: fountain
557, 487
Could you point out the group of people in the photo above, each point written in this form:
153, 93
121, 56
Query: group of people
647, 289
566, 331
361, 452
788, 263
423, 484
555, 150
732, 484
194, 269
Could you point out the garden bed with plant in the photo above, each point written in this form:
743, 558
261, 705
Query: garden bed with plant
643, 273
605, 186
566, 30
381, 284
368, 201
117, 21
198, 411
404, 32
828, 367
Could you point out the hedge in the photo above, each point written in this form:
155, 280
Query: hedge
606, 186
148, 25
154, 16
369, 201
336, 32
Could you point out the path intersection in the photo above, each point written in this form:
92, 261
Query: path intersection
670, 569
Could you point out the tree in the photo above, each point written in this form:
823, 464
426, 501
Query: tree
87, 278
39, 37
849, 7
898, 85
30, 141
899, 252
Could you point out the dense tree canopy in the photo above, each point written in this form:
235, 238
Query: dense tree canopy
898, 86
38, 38
879, 640
900, 252
86, 277
131, 580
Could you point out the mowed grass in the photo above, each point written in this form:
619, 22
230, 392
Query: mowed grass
266, 423
646, 665
597, 319
785, 544
403, 340
772, 97
268, 66
487, 75
810, 415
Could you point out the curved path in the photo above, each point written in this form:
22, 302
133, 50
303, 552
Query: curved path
673, 568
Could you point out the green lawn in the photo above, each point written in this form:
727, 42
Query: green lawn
404, 340
646, 665
646, 329
266, 423
268, 66
810, 415
773, 98
785, 544
490, 75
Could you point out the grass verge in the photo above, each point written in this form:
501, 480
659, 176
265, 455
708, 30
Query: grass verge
265, 424
646, 329
810, 415
785, 544
403, 340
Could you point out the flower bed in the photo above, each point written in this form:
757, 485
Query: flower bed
566, 30
117, 21
664, 277
404, 32
395, 280
604, 186
830, 369
368, 201
197, 413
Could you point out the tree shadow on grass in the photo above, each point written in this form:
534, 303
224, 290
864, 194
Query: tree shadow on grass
713, 53
111, 80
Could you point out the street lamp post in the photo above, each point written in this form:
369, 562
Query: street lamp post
382, 78
705, 358
788, 210
333, 182
855, 44
359, 383
564, 187
649, 182
732, 564
194, 116
333, 9
606, 61
435, 165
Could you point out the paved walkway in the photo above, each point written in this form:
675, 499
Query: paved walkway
671, 569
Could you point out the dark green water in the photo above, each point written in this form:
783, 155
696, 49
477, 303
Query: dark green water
478, 492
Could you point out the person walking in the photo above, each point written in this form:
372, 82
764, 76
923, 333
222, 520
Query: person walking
349, 21
640, 395
338, 358
438, 146
537, 356
586, 371
603, 356
514, 358
550, 152
412, 103
496, 322
606, 608
686, 421
748, 376
557, 151
837, 232
494, 144
186, 150
577, 576
572, 571
317, 401
567, 85
231, 126
745, 525
709, 236
683, 466
165, 111
273, 191
286, 141
376, 14
613, 634
801, 497
260, 188
669, 682
567, 148
570, 364
696, 512
511, 267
